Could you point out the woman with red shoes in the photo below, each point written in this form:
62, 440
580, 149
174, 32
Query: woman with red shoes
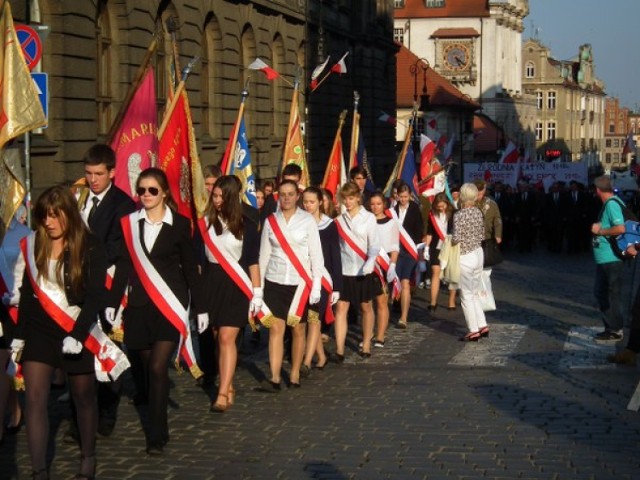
468, 231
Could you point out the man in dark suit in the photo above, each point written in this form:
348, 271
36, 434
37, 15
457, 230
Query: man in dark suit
526, 213
102, 204
577, 223
554, 218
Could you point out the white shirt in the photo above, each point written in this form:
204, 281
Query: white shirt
364, 229
389, 235
301, 231
88, 205
402, 213
231, 245
152, 229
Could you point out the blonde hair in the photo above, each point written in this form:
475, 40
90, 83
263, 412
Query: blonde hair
349, 189
468, 194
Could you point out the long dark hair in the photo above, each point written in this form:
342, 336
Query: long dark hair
318, 193
160, 177
60, 202
231, 211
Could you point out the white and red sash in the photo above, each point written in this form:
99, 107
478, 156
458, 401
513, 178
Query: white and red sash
301, 296
110, 361
382, 260
14, 370
117, 331
405, 239
436, 226
12, 310
160, 293
233, 269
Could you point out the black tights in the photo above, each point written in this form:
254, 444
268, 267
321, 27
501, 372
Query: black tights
37, 378
155, 362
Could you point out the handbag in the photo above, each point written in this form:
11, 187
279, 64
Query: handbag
487, 300
492, 253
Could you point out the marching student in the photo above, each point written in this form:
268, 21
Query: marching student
322, 314
291, 265
61, 293
389, 235
160, 265
231, 277
359, 247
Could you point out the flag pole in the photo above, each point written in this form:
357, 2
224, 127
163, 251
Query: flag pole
142, 69
343, 116
407, 140
294, 105
322, 81
176, 96
353, 147
232, 150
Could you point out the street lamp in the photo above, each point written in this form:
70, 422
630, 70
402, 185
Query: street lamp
414, 69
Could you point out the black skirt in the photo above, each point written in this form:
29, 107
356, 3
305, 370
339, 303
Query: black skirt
226, 304
279, 297
361, 289
143, 326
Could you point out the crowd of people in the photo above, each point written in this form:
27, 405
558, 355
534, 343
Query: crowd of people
300, 267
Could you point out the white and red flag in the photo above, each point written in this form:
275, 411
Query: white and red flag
341, 66
258, 64
317, 72
386, 118
511, 154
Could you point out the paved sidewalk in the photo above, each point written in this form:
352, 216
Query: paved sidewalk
536, 400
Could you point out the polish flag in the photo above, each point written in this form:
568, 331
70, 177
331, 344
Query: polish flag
427, 151
317, 72
258, 64
511, 154
340, 67
386, 118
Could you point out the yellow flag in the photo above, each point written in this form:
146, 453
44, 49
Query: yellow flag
200, 194
11, 184
20, 109
294, 146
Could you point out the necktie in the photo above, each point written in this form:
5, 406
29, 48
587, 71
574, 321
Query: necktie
95, 201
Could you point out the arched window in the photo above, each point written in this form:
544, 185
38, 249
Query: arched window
280, 117
211, 49
529, 70
167, 72
106, 63
248, 55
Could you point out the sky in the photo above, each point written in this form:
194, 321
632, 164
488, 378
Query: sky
609, 26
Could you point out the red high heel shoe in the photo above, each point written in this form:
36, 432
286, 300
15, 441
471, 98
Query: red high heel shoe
484, 332
471, 337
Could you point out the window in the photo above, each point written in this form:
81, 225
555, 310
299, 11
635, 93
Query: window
620, 127
211, 54
551, 100
616, 142
607, 158
616, 157
539, 131
608, 143
398, 35
278, 107
539, 96
529, 70
105, 64
434, 3
612, 128
551, 130
398, 3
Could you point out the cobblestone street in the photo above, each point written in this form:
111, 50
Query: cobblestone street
534, 400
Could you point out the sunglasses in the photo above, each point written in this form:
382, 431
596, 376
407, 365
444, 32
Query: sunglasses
154, 191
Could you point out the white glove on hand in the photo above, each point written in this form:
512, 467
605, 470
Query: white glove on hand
368, 266
391, 273
71, 346
314, 297
16, 345
335, 296
110, 315
203, 322
426, 253
256, 301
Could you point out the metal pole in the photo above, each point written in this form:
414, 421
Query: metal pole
27, 168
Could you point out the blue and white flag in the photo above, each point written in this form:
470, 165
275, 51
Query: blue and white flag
241, 166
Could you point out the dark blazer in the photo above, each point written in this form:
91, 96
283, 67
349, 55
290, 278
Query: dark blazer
173, 257
105, 222
330, 241
412, 223
91, 298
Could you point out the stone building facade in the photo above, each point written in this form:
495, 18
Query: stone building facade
616, 126
570, 103
94, 48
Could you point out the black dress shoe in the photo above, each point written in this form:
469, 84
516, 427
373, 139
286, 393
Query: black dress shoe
138, 400
432, 308
155, 449
106, 426
267, 386
338, 358
305, 371
295, 384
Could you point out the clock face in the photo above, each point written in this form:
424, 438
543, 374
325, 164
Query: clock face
456, 56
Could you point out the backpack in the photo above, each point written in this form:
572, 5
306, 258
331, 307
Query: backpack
619, 243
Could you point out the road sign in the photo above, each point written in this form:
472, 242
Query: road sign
30, 44
42, 85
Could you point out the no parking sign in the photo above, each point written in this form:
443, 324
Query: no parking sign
30, 44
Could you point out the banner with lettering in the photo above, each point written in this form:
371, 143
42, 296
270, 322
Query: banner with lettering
534, 173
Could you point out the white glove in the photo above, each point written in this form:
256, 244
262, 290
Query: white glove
391, 272
335, 296
71, 346
314, 297
368, 266
1, 331
256, 301
203, 322
110, 315
16, 345
426, 253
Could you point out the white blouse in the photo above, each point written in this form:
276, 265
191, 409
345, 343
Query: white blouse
364, 229
389, 235
301, 231
232, 246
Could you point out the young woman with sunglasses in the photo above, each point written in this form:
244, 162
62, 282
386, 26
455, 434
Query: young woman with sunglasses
232, 245
163, 275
